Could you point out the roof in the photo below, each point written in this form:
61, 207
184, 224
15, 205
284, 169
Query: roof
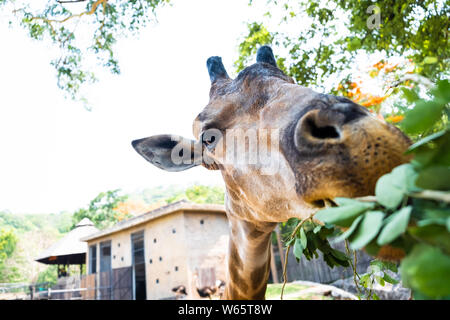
178, 206
69, 249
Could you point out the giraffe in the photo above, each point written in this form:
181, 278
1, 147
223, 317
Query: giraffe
321, 147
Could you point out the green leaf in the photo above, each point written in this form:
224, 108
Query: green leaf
388, 279
339, 255
298, 248
364, 280
383, 265
426, 269
303, 239
422, 117
433, 234
367, 230
426, 140
292, 223
380, 280
353, 44
317, 229
409, 94
442, 154
442, 90
392, 187
404, 177
343, 216
430, 60
349, 231
290, 242
347, 202
427, 222
435, 178
396, 226
377, 263
388, 194
390, 266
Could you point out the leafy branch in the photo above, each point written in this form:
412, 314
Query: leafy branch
100, 22
409, 217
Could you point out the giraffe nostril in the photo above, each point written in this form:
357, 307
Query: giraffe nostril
316, 127
325, 132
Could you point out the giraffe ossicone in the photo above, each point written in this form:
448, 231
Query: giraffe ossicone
283, 150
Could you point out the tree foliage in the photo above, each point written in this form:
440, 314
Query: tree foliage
411, 209
8, 241
102, 209
333, 33
110, 207
23, 223
48, 275
81, 31
200, 194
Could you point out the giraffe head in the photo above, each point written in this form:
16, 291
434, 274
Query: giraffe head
282, 148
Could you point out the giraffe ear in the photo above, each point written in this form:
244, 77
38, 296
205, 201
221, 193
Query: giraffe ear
169, 152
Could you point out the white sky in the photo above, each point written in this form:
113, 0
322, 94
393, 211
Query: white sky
55, 155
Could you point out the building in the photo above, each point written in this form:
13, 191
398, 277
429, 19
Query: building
145, 257
69, 250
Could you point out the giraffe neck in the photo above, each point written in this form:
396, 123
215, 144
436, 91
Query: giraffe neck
248, 260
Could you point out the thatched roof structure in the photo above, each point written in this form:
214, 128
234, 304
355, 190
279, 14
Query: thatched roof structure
69, 249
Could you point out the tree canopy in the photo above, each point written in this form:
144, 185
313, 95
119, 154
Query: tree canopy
8, 241
102, 209
82, 32
333, 33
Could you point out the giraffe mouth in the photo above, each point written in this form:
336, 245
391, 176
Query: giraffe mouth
323, 203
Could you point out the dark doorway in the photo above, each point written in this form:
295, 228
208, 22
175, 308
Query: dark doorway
105, 256
93, 259
137, 252
105, 271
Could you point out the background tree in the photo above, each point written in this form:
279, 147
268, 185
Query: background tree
61, 23
8, 241
200, 194
102, 209
24, 236
49, 275
323, 48
334, 33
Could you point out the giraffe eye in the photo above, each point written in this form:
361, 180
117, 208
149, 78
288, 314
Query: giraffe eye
210, 138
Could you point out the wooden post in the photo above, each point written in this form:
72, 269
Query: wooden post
273, 266
280, 245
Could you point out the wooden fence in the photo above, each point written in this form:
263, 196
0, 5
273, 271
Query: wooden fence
317, 270
109, 285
